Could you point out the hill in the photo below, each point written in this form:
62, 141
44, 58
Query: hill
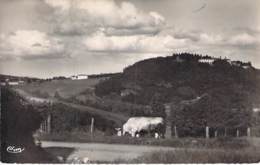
181, 77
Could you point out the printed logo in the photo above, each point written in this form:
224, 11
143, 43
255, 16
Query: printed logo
14, 150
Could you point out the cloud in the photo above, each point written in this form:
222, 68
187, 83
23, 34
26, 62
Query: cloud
37, 45
110, 26
110, 31
194, 41
29, 43
248, 30
81, 17
80, 27
197, 36
243, 39
191, 35
135, 43
61, 4
211, 39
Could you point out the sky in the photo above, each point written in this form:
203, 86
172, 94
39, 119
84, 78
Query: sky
46, 38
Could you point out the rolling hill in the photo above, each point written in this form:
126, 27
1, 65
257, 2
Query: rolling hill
182, 77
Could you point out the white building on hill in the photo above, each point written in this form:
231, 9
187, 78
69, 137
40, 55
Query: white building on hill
13, 83
207, 60
79, 77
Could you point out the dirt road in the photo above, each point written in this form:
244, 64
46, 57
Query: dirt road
105, 152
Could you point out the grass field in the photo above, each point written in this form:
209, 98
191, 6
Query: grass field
66, 88
226, 151
248, 155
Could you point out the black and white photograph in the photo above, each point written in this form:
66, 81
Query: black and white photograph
130, 81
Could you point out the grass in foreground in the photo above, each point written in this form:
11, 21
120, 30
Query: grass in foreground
249, 155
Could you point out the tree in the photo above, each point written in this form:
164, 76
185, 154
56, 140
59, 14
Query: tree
158, 109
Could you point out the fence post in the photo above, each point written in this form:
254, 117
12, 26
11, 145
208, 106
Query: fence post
168, 123
41, 128
175, 132
216, 133
44, 127
237, 133
49, 124
248, 132
207, 132
92, 126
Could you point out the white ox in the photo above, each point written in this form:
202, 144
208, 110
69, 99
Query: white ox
135, 125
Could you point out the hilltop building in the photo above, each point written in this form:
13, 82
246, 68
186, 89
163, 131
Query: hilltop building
13, 83
79, 77
207, 60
